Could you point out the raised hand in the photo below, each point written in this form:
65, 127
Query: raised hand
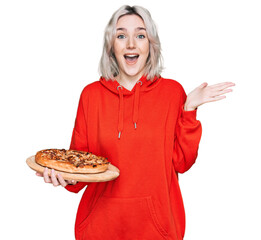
204, 94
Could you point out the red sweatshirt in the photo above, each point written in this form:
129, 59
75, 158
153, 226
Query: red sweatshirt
147, 134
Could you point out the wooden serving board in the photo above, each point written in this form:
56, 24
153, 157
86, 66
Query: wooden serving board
110, 174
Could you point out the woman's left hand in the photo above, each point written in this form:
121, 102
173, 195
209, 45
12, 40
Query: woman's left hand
204, 93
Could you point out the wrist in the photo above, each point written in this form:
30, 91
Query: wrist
189, 108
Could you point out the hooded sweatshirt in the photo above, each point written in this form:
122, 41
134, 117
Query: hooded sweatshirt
147, 134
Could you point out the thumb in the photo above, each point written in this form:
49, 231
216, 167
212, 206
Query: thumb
203, 85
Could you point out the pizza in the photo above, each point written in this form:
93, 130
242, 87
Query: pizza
71, 161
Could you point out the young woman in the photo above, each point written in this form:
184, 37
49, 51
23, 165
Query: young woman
146, 126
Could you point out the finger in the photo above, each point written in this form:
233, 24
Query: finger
61, 180
46, 176
222, 83
54, 179
218, 93
222, 86
71, 182
39, 174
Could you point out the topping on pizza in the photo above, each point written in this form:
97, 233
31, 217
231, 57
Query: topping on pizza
71, 161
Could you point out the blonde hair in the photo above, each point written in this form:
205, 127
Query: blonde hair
108, 66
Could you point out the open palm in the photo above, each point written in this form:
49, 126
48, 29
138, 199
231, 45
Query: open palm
204, 94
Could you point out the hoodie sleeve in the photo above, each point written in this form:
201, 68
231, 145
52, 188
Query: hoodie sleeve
187, 138
79, 138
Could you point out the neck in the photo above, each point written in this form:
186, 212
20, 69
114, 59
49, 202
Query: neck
128, 82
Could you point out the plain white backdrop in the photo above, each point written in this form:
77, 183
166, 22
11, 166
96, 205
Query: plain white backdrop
49, 50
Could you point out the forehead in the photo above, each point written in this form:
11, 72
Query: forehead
130, 22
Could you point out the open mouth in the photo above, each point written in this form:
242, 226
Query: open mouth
131, 58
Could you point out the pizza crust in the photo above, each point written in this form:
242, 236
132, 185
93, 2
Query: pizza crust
58, 159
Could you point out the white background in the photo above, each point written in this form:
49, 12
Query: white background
49, 50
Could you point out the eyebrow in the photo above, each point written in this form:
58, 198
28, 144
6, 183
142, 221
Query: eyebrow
125, 30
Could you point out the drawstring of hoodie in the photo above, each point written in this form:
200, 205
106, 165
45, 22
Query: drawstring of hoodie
136, 104
135, 107
120, 121
142, 85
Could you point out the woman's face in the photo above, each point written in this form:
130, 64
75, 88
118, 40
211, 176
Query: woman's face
131, 46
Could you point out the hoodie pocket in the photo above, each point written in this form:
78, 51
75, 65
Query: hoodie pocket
122, 218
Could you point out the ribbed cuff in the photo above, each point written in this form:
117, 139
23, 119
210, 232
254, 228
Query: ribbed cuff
188, 117
76, 188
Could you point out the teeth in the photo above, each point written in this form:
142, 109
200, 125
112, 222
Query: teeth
131, 55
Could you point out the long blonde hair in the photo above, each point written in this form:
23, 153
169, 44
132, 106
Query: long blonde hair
108, 66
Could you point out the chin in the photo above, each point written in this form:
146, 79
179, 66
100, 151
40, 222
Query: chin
133, 72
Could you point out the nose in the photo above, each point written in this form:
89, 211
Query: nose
131, 43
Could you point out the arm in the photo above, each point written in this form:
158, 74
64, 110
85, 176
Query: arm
187, 137
188, 129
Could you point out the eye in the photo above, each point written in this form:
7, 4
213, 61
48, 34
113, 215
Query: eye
120, 36
141, 36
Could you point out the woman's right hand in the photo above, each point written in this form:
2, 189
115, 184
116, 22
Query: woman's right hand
56, 178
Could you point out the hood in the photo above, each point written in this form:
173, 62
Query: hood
142, 85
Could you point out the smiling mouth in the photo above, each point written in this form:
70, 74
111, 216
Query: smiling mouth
131, 59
